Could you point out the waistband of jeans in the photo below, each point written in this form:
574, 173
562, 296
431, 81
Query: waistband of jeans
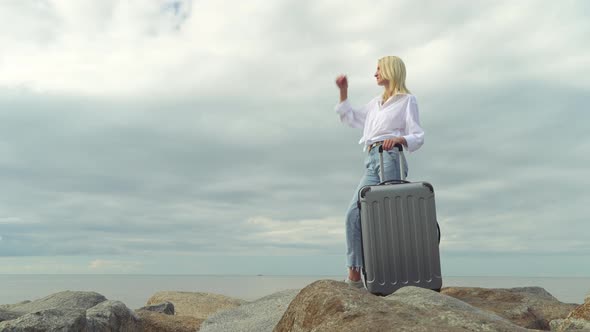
374, 145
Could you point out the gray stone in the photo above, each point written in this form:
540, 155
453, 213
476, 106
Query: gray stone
8, 315
112, 316
256, 316
9, 306
66, 299
48, 320
163, 308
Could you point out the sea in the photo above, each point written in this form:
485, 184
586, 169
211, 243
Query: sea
134, 290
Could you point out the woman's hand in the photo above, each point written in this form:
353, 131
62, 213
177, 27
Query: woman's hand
388, 144
342, 82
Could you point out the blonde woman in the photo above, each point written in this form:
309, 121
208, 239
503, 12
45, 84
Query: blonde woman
387, 120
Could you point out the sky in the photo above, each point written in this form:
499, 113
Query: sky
200, 137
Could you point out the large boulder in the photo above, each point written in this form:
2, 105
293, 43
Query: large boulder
63, 311
570, 324
582, 311
8, 315
112, 316
256, 316
328, 305
159, 322
48, 320
198, 305
530, 307
70, 311
9, 306
65, 299
578, 319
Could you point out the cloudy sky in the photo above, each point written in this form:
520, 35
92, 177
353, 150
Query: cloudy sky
200, 137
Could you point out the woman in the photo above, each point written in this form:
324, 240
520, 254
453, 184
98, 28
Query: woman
388, 119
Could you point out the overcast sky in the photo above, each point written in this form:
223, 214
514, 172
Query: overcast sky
200, 137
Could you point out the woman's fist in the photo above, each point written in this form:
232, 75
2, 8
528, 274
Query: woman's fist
342, 82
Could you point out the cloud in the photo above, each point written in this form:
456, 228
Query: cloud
110, 47
9, 220
320, 234
131, 48
130, 128
113, 265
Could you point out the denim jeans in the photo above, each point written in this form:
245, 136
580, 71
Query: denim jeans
354, 257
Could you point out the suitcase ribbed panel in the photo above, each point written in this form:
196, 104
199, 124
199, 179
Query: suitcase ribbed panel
400, 240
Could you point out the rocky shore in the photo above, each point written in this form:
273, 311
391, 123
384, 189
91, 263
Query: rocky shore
324, 305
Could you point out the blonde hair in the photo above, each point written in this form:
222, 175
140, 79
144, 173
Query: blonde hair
393, 69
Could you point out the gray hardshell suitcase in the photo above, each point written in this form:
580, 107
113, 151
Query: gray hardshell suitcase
400, 234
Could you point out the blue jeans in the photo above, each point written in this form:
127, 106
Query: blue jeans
391, 157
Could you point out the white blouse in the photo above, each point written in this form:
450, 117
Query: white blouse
398, 116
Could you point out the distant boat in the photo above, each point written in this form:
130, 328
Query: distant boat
259, 275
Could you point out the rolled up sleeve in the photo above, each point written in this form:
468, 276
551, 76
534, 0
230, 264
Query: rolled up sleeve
350, 116
414, 132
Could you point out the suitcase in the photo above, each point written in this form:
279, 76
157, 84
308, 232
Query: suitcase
400, 234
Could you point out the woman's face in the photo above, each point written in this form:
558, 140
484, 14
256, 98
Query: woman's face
380, 80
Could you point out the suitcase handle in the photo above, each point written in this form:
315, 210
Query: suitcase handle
393, 181
401, 166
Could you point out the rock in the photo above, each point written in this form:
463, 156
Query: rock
163, 308
582, 311
112, 316
328, 305
198, 305
578, 319
569, 324
8, 315
158, 322
48, 320
63, 311
257, 316
66, 299
9, 306
530, 307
